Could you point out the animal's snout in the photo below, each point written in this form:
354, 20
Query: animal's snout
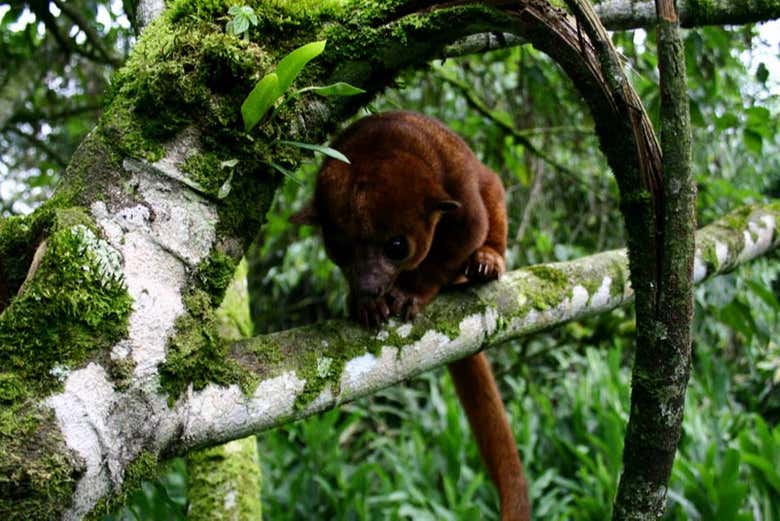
367, 289
369, 276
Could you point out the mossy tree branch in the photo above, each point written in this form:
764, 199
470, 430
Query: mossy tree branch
308, 369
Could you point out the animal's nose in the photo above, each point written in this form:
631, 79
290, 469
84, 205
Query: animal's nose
369, 289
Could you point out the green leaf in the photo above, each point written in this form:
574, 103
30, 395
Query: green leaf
282, 170
757, 116
336, 89
224, 190
330, 152
727, 120
292, 64
753, 140
762, 73
240, 24
764, 294
259, 100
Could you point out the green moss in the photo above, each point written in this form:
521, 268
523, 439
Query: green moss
197, 355
37, 473
738, 220
218, 472
214, 274
121, 371
75, 304
618, 285
93, 169
187, 10
557, 287
144, 467
207, 171
12, 387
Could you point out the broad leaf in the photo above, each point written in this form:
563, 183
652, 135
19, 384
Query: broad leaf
259, 100
292, 64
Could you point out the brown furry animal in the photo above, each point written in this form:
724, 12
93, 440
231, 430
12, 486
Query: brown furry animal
413, 212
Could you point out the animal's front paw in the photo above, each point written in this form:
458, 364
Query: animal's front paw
370, 311
404, 304
485, 264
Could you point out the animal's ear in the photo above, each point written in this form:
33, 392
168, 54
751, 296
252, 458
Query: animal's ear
306, 215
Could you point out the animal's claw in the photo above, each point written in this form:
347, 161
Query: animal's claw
484, 264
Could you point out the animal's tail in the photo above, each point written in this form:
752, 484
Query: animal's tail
479, 396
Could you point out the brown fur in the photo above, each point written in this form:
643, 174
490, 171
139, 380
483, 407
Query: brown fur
413, 181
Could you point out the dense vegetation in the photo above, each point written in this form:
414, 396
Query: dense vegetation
407, 452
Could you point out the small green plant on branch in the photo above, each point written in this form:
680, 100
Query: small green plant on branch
242, 17
275, 85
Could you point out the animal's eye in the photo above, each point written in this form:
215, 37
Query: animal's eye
397, 248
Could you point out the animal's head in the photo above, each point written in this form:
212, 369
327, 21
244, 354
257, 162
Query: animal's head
377, 219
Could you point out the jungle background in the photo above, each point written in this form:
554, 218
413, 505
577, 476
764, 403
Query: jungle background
407, 453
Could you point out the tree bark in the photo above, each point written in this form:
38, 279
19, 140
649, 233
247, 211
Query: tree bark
663, 356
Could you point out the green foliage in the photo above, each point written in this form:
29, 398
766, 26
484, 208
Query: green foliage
330, 152
275, 84
260, 100
243, 17
52, 90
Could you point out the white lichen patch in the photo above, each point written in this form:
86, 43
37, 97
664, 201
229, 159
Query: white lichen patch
601, 297
184, 222
323, 366
231, 500
82, 410
355, 369
160, 241
105, 260
368, 373
471, 325
758, 237
60, 372
721, 253
209, 413
699, 267
149, 246
579, 297
403, 330
154, 279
